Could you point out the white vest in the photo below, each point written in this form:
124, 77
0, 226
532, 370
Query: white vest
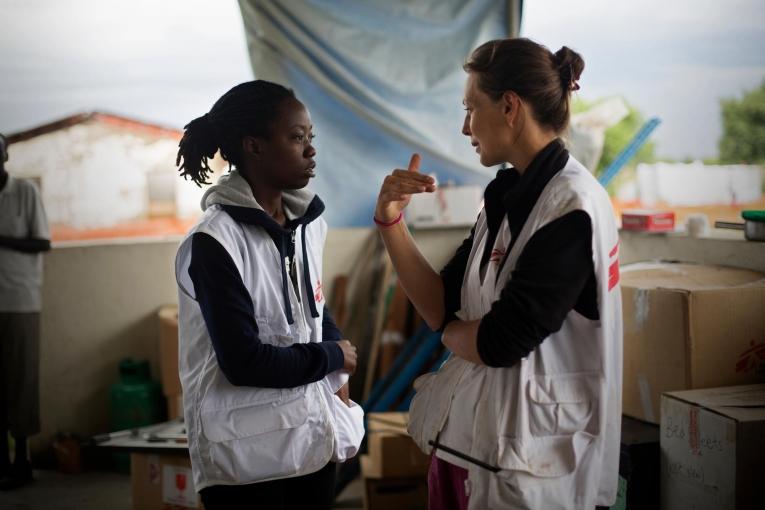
241, 434
551, 423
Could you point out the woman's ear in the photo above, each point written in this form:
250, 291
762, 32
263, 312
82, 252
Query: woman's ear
252, 146
510, 106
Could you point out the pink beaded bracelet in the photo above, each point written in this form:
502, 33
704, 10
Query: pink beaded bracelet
390, 224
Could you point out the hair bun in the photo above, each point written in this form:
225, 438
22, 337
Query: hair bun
570, 66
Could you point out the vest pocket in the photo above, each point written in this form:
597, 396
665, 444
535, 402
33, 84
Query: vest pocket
562, 405
543, 457
544, 472
221, 425
264, 442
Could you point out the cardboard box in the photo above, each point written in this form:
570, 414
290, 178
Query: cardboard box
168, 350
174, 406
162, 481
392, 453
398, 493
648, 221
713, 448
689, 326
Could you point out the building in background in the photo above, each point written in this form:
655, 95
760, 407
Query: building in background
107, 176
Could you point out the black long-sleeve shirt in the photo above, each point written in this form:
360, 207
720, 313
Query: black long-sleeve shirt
553, 275
230, 319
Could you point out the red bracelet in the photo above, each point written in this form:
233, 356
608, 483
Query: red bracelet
384, 224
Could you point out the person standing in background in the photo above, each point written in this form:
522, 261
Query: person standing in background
24, 236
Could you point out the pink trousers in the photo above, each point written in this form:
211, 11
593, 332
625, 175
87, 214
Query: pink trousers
446, 486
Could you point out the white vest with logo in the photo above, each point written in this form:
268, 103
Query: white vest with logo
552, 422
242, 434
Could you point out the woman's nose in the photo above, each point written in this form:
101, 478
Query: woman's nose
466, 126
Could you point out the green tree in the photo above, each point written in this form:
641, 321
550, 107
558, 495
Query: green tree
743, 139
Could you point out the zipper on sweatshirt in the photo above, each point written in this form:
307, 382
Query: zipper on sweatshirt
292, 259
301, 320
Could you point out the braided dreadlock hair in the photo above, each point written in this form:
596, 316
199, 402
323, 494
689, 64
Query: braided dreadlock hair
248, 109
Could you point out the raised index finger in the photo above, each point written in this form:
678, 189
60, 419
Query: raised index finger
414, 163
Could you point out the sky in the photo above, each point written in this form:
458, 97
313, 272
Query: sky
163, 61
671, 59
167, 61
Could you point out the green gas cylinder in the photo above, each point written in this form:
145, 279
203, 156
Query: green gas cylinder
135, 401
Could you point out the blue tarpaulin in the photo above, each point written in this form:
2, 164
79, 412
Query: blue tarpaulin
381, 79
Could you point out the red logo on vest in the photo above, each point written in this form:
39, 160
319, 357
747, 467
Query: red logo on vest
613, 269
496, 255
317, 294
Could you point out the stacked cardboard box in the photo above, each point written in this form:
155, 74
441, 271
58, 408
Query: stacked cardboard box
395, 470
689, 326
163, 481
712, 445
168, 360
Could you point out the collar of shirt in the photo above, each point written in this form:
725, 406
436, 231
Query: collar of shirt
514, 194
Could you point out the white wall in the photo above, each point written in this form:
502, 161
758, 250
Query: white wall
724, 249
695, 183
95, 174
100, 304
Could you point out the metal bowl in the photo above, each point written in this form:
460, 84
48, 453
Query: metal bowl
754, 230
754, 225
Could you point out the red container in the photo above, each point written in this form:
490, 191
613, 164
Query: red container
649, 221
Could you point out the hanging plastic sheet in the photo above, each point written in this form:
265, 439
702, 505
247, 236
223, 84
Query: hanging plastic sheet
382, 79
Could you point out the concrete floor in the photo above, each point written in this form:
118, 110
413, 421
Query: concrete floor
52, 490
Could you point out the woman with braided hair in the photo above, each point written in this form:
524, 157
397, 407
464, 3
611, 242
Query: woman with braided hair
526, 412
263, 366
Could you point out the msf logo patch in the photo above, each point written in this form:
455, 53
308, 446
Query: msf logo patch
613, 268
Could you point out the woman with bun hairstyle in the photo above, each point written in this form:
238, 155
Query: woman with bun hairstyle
262, 364
526, 412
